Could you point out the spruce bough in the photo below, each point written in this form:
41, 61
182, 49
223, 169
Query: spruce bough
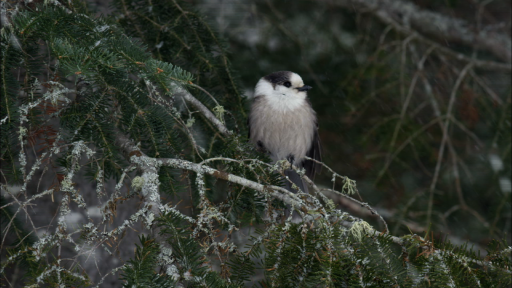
90, 98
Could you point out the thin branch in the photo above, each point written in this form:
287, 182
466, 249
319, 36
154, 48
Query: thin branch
445, 138
203, 109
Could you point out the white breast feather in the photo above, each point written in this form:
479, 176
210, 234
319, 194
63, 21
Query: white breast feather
282, 120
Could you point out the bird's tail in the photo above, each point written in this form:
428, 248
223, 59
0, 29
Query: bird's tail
294, 177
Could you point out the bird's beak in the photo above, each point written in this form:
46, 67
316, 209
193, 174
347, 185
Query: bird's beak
304, 88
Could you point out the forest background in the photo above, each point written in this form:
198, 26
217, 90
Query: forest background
413, 102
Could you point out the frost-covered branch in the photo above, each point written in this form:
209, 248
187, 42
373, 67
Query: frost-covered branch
148, 164
90, 165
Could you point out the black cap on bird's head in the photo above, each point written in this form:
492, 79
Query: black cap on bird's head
287, 79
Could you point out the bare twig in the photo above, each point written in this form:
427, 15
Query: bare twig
445, 138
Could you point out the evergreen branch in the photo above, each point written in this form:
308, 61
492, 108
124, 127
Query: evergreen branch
303, 240
150, 164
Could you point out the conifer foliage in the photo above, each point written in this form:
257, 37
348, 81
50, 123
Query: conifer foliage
149, 101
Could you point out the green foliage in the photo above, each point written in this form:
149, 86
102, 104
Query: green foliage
140, 271
177, 33
298, 257
111, 73
190, 260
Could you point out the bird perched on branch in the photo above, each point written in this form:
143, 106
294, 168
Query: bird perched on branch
283, 123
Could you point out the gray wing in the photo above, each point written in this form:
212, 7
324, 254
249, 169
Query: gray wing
315, 152
249, 128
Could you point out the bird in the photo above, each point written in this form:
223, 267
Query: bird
282, 123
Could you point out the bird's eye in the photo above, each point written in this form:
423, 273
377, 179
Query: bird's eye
287, 84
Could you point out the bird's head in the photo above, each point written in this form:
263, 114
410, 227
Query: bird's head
284, 85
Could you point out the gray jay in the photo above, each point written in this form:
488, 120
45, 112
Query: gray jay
283, 123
